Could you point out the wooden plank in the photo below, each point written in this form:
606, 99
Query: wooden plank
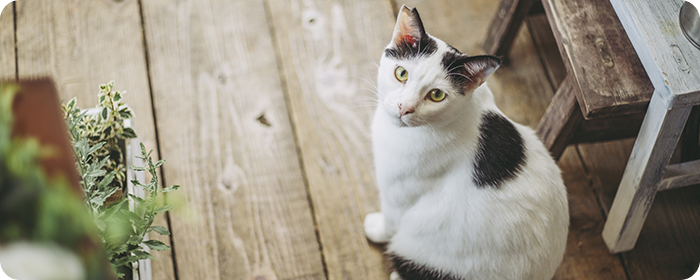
668, 247
652, 151
681, 175
7, 44
505, 25
219, 103
586, 255
546, 46
609, 128
330, 77
666, 54
561, 120
605, 162
82, 44
689, 144
600, 56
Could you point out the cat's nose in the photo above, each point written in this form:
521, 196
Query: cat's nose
405, 110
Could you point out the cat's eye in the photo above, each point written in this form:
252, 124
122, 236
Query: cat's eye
401, 74
437, 95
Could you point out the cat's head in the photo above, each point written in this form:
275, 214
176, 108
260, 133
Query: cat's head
424, 81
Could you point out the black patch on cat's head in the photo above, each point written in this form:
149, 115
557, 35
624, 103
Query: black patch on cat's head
407, 49
410, 270
463, 70
501, 151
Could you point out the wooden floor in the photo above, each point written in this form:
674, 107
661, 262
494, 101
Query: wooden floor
262, 110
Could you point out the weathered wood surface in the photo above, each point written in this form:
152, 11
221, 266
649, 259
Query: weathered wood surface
328, 53
652, 151
681, 175
561, 120
586, 255
668, 247
546, 46
668, 57
226, 133
7, 44
600, 57
505, 26
82, 44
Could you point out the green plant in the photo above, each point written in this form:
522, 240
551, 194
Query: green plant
97, 140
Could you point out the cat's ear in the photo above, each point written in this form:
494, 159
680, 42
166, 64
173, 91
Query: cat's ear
479, 67
409, 28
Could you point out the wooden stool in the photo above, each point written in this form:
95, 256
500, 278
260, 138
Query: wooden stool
605, 96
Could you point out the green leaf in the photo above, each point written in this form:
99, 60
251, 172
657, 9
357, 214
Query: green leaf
138, 168
129, 133
137, 199
143, 149
117, 96
156, 245
143, 255
107, 180
105, 113
159, 163
174, 187
71, 103
160, 230
135, 240
125, 114
164, 208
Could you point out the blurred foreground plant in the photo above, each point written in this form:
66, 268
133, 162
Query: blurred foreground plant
38, 209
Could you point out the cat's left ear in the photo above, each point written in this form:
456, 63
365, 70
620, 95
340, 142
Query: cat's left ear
480, 67
409, 28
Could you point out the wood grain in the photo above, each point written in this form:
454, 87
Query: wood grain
561, 120
7, 44
82, 44
586, 255
546, 46
598, 53
667, 247
328, 52
505, 25
681, 175
668, 57
229, 142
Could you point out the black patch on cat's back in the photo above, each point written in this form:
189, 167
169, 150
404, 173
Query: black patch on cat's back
501, 151
410, 270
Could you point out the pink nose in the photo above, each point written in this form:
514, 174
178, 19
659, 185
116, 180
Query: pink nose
405, 110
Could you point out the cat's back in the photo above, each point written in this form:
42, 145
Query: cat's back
504, 204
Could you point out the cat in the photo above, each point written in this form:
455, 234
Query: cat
466, 193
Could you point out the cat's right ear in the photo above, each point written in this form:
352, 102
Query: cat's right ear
478, 68
409, 28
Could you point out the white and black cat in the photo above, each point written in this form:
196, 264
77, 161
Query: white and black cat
465, 192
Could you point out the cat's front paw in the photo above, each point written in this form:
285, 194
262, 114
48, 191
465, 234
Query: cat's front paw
374, 228
395, 276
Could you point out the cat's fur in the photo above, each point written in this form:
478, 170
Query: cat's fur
465, 192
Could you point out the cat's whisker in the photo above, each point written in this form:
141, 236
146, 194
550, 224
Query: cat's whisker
459, 74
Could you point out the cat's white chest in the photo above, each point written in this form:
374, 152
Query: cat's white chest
410, 162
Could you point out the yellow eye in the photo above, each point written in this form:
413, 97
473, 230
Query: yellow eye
401, 74
437, 95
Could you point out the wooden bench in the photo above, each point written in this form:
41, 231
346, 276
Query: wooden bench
605, 95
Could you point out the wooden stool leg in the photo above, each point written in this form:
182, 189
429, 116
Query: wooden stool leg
505, 25
562, 118
652, 151
690, 139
